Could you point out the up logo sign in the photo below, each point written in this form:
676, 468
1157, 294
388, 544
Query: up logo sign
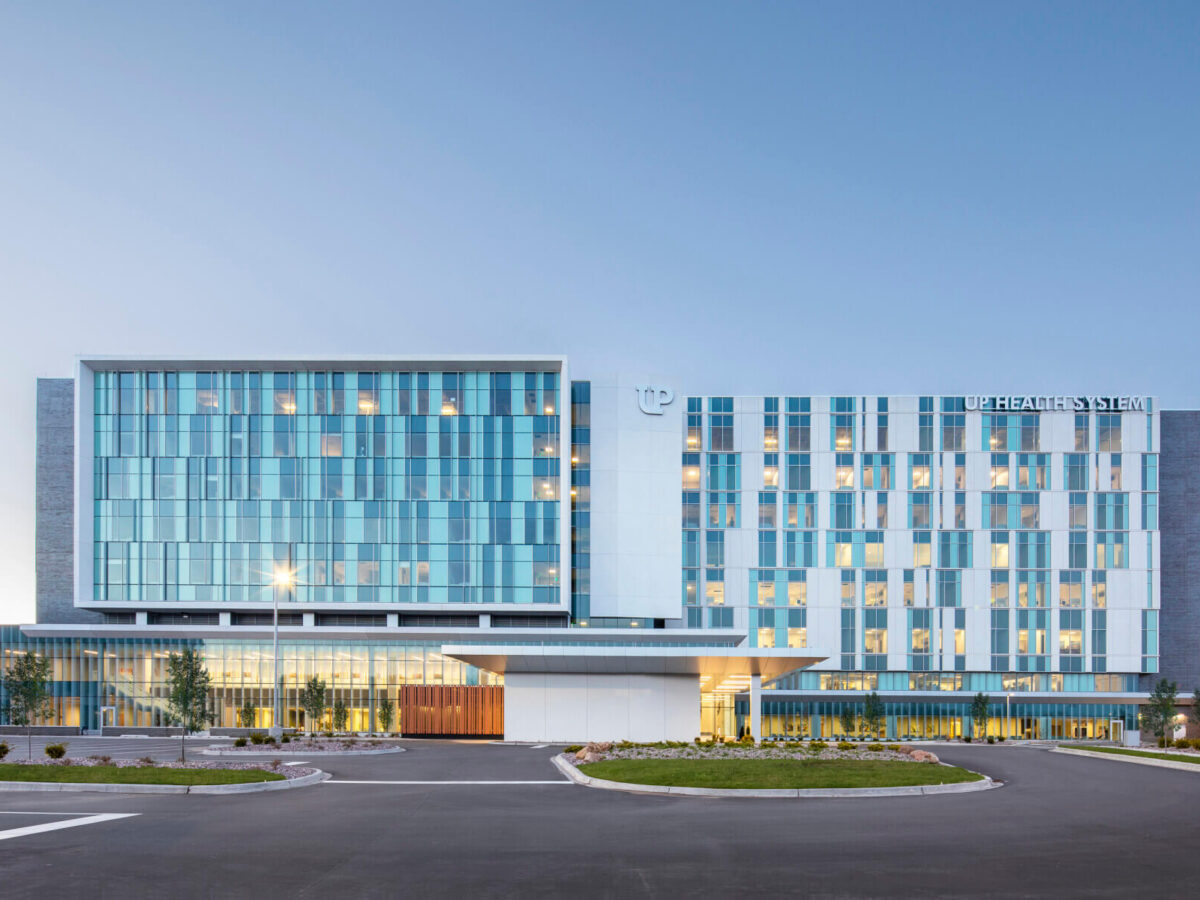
651, 400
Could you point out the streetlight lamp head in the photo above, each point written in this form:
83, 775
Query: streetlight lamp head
284, 577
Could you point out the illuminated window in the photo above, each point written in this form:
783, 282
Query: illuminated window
875, 588
1070, 589
875, 640
771, 470
922, 549
1081, 432
714, 592
1000, 558
999, 472
1108, 433
848, 589
766, 593
999, 589
844, 471
920, 471
797, 589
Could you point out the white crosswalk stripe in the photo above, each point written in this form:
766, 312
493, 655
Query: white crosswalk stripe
27, 830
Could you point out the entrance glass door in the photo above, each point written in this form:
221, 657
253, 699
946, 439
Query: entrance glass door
717, 716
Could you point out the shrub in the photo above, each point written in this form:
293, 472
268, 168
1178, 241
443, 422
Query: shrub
56, 751
574, 748
991, 740
817, 746
4, 748
239, 742
1002, 737
845, 745
1183, 744
146, 761
257, 737
328, 734
893, 747
285, 739
767, 744
966, 739
875, 748
269, 739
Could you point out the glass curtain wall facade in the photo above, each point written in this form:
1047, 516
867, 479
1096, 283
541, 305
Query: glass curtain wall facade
351, 487
926, 719
129, 675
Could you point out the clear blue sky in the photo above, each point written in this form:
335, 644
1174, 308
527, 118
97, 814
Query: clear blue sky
815, 198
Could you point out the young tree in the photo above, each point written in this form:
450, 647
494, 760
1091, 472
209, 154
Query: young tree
187, 700
312, 701
848, 720
979, 713
874, 714
246, 714
386, 710
27, 682
340, 715
1196, 706
1159, 711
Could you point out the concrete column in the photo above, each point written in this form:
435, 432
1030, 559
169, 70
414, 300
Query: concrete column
756, 707
224, 619
141, 618
485, 620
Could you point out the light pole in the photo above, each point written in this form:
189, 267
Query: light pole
284, 579
1008, 714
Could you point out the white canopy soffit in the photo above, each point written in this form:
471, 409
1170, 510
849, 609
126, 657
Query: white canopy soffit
712, 663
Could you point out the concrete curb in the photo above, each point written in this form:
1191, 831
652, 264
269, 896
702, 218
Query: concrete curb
568, 768
1137, 760
284, 750
250, 788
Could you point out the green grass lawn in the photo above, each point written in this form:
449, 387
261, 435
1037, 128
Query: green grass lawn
776, 773
1121, 751
134, 775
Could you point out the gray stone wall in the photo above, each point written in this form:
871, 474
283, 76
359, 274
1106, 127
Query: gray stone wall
54, 555
1179, 525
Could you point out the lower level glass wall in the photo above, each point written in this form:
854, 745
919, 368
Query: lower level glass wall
124, 680
917, 719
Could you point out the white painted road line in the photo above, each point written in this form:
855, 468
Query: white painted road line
346, 781
295, 762
55, 826
539, 746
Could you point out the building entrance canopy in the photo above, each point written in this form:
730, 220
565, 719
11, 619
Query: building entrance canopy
719, 668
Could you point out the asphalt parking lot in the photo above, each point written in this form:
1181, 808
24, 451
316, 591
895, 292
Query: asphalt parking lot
485, 820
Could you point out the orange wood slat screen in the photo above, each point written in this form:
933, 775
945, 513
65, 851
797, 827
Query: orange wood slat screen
451, 710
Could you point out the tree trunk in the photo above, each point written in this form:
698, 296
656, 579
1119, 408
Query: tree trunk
182, 745
29, 737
